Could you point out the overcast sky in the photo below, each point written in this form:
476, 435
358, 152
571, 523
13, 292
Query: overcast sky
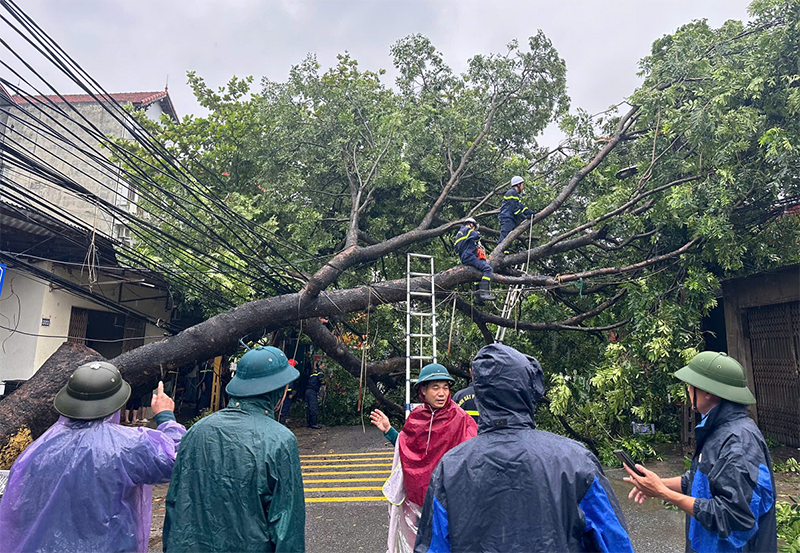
135, 45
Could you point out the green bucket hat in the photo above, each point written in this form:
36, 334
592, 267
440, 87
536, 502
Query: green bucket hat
434, 371
93, 391
717, 374
261, 370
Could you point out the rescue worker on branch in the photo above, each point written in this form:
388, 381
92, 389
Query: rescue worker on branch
237, 484
728, 494
312, 395
431, 430
85, 484
471, 252
512, 210
515, 488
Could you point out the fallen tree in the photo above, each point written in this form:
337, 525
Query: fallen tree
309, 194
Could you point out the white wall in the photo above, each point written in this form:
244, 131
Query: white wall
21, 355
58, 306
20, 308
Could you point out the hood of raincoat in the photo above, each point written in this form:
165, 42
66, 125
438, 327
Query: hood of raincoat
508, 385
84, 485
237, 483
427, 435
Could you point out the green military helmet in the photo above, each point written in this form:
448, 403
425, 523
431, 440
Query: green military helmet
434, 371
93, 391
718, 374
261, 370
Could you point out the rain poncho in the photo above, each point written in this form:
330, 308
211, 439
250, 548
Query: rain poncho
514, 488
237, 484
85, 485
732, 482
427, 435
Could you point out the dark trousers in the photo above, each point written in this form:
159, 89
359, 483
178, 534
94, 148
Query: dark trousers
506, 226
287, 406
471, 259
312, 407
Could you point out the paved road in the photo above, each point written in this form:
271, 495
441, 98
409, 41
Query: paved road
346, 520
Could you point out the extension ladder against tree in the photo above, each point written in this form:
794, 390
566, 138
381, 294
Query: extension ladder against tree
514, 294
512, 297
420, 320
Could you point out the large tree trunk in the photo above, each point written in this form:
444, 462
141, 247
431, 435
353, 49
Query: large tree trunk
31, 404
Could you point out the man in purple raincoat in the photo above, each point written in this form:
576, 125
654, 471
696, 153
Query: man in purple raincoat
85, 484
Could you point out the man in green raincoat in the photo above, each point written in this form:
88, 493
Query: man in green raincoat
236, 485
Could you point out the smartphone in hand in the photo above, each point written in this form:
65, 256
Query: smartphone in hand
626, 459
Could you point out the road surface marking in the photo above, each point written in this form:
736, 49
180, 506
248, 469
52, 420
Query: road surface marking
345, 489
342, 499
386, 472
331, 480
390, 453
345, 466
347, 460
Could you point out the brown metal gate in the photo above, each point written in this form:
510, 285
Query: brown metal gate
774, 343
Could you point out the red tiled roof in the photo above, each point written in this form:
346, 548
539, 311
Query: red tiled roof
138, 98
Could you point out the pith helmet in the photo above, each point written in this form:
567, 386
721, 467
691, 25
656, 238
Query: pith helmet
717, 374
261, 370
516, 180
434, 371
93, 391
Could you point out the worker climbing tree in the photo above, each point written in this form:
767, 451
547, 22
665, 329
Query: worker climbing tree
471, 252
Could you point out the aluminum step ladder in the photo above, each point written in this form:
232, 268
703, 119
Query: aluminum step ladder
420, 321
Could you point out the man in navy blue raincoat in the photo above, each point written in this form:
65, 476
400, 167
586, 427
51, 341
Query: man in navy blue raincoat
466, 246
515, 488
728, 494
512, 210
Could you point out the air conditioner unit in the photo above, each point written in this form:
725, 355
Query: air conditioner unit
132, 208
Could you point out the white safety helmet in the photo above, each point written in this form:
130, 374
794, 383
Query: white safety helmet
516, 180
470, 220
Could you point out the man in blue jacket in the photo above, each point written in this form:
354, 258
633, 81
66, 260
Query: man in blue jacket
466, 246
512, 210
728, 494
515, 488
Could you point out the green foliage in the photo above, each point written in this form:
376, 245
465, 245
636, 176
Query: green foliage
787, 514
340, 404
332, 152
790, 465
640, 449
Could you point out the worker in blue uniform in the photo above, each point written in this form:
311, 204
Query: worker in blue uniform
469, 248
465, 398
512, 210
